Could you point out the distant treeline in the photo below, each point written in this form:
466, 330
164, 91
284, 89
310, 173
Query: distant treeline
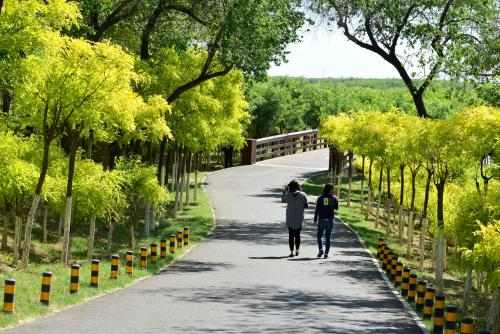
283, 104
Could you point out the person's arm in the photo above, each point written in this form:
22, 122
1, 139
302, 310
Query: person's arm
306, 205
316, 210
335, 203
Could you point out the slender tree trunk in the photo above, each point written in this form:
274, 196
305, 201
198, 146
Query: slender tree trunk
409, 247
389, 193
147, 226
69, 202
440, 240
132, 236
6, 97
423, 232
467, 290
351, 157
379, 201
370, 190
183, 180
188, 176
5, 230
196, 167
175, 164
44, 223
36, 199
90, 247
17, 238
178, 182
427, 191
161, 162
362, 190
60, 226
110, 235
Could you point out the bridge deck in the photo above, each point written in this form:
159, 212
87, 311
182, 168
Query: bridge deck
239, 281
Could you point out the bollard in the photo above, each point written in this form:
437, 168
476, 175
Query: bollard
115, 263
429, 302
388, 264
94, 273
45, 291
186, 236
381, 244
163, 248
394, 267
9, 294
467, 326
412, 290
74, 285
172, 244
154, 253
405, 284
438, 320
180, 242
399, 274
385, 256
129, 266
380, 252
144, 258
419, 304
450, 325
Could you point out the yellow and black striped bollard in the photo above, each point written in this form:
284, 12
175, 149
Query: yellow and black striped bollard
438, 319
429, 302
412, 291
163, 248
385, 256
419, 304
381, 243
9, 294
144, 258
467, 326
389, 264
45, 290
172, 244
394, 267
399, 274
74, 285
450, 326
380, 252
180, 242
94, 273
405, 284
115, 265
186, 236
129, 265
154, 253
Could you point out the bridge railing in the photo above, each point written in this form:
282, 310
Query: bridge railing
280, 145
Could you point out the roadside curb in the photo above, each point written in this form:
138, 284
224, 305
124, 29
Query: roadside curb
388, 283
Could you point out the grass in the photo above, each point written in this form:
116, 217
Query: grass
198, 217
370, 234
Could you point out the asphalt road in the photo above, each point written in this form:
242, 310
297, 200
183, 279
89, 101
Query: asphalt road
240, 281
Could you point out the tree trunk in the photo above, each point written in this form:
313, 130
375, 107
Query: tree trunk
188, 176
6, 100
132, 236
494, 313
69, 203
379, 201
60, 226
413, 189
440, 240
418, 100
17, 237
110, 236
402, 185
175, 162
409, 247
183, 180
362, 190
370, 190
147, 225
351, 157
90, 247
423, 232
426, 194
196, 166
389, 193
5, 231
467, 290
36, 200
44, 223
161, 162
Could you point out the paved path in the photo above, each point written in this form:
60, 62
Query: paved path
239, 281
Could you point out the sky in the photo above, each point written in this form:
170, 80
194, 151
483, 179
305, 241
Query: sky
323, 53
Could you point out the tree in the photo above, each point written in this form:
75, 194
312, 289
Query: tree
420, 39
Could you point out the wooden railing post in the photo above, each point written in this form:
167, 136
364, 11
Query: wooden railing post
248, 154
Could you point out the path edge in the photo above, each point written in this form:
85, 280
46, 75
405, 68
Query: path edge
388, 283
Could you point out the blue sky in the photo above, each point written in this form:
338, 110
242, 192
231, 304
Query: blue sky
323, 53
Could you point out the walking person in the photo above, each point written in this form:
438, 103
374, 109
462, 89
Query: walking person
296, 202
324, 217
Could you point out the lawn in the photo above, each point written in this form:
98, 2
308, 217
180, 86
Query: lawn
199, 217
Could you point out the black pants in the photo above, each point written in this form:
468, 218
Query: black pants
294, 238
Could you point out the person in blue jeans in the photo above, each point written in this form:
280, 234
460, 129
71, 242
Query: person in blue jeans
324, 217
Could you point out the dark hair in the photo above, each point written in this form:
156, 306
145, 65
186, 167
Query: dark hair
327, 189
293, 186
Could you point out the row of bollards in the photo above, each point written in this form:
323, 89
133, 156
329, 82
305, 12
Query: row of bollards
179, 240
428, 303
